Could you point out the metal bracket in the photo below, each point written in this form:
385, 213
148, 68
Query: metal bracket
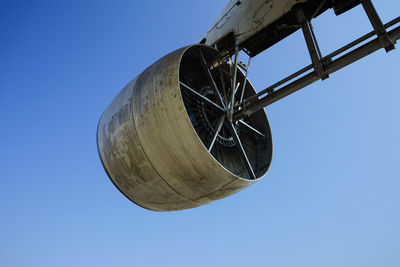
312, 44
376, 22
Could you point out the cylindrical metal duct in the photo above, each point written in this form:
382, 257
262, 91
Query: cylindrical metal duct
165, 140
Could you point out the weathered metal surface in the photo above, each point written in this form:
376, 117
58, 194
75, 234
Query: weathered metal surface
246, 18
150, 150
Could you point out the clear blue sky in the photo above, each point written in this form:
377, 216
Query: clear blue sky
331, 197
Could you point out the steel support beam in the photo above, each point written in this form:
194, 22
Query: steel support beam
312, 44
384, 38
329, 57
313, 76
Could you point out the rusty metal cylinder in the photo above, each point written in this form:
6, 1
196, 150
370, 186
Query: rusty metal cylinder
151, 138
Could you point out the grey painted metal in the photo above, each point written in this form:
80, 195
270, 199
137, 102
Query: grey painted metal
151, 151
245, 18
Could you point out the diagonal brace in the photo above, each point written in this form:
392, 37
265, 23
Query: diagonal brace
379, 28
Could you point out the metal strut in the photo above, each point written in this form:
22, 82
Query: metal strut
321, 67
312, 44
376, 22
